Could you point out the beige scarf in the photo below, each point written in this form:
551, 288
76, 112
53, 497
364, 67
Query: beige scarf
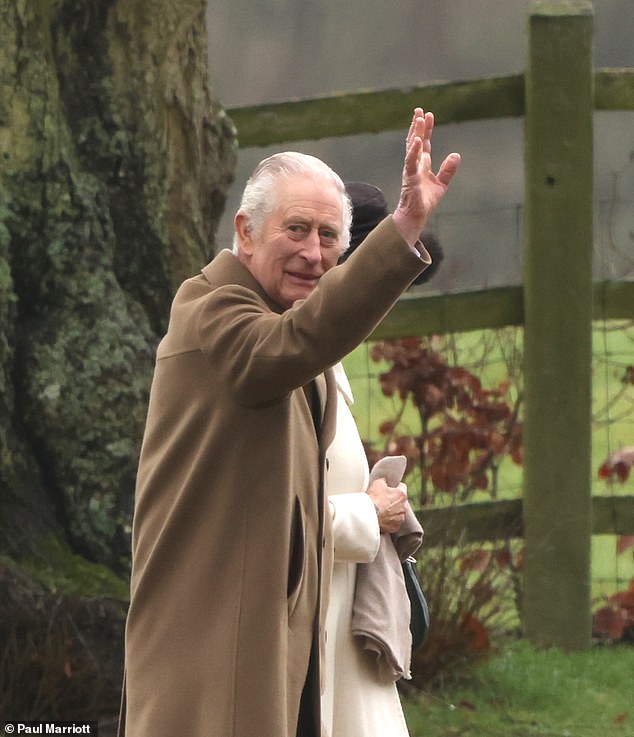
381, 607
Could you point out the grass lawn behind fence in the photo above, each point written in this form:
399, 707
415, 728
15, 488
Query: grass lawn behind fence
521, 692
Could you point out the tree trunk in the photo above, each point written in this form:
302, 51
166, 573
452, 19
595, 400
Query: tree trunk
115, 162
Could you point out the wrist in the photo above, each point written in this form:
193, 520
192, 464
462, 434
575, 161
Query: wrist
409, 229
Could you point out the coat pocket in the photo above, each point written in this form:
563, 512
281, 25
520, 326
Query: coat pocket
297, 555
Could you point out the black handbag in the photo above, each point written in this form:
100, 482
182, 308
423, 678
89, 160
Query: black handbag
419, 620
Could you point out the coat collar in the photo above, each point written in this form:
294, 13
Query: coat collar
227, 269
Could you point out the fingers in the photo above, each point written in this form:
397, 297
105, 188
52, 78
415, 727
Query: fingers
384, 496
412, 156
399, 497
448, 168
422, 125
411, 132
418, 142
391, 521
428, 130
416, 127
392, 515
390, 503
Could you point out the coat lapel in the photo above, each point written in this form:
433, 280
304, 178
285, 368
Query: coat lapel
329, 417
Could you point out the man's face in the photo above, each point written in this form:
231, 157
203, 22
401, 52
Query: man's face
300, 240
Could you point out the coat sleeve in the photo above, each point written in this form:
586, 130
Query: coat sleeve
355, 528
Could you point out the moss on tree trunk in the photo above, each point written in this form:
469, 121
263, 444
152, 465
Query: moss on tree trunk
115, 159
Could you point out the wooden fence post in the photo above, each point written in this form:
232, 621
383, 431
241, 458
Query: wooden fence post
558, 325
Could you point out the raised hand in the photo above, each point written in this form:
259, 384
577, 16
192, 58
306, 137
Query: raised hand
421, 189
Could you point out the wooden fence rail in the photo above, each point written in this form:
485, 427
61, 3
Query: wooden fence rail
354, 113
492, 521
455, 312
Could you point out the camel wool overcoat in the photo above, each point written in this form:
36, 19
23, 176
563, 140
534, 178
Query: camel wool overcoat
231, 548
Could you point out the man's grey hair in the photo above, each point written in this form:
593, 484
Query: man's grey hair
259, 197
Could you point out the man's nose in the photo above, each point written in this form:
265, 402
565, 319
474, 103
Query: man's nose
312, 246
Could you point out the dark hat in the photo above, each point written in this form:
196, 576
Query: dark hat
369, 207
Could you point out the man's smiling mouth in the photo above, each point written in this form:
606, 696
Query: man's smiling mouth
304, 278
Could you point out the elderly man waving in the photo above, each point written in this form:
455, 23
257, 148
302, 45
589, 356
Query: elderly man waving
231, 539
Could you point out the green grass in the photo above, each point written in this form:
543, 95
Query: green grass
522, 692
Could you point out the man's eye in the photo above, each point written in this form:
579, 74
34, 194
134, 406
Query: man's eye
328, 237
297, 228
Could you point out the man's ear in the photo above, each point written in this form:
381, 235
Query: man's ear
244, 232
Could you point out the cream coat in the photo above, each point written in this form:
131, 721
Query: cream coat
356, 702
231, 543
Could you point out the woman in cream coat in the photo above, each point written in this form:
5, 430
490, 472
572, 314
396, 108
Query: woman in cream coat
355, 702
